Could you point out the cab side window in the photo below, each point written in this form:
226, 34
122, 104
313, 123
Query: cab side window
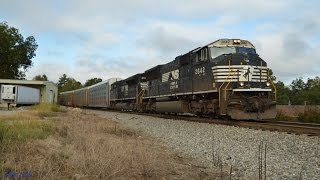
204, 54
196, 57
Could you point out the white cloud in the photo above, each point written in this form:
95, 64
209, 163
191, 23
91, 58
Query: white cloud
51, 70
119, 38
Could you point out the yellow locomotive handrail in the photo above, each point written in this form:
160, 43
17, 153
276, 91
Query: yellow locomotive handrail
274, 87
225, 89
141, 93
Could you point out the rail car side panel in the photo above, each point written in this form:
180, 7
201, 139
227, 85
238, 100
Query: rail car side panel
81, 97
98, 95
66, 98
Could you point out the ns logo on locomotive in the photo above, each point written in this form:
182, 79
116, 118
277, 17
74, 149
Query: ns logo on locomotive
226, 78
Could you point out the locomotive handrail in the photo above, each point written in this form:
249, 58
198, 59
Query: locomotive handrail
229, 74
225, 89
223, 84
141, 93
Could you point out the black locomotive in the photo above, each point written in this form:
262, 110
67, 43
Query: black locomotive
226, 78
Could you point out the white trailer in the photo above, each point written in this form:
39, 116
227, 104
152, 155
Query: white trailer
19, 95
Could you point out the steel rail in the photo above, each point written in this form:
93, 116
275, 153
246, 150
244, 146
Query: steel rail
310, 129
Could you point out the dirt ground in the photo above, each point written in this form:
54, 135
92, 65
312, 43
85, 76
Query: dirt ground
85, 146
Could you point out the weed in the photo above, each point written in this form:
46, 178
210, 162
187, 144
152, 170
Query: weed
22, 130
309, 116
46, 107
22, 126
86, 147
282, 117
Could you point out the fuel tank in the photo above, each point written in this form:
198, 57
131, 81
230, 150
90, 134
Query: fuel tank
172, 106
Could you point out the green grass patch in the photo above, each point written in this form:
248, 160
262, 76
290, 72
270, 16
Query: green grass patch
46, 107
282, 117
23, 130
25, 125
310, 116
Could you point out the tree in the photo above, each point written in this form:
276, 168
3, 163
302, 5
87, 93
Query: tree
313, 83
40, 78
297, 84
92, 81
68, 84
302, 92
71, 84
15, 52
272, 76
283, 93
62, 80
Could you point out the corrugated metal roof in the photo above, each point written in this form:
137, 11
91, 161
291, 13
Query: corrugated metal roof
30, 82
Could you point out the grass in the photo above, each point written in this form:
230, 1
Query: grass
309, 116
283, 117
22, 126
86, 146
46, 107
25, 125
21, 130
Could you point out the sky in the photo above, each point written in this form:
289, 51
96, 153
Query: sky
103, 38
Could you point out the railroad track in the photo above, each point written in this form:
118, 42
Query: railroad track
298, 128
285, 126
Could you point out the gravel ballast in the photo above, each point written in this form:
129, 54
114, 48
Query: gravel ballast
288, 156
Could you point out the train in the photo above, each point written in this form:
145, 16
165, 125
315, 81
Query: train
224, 79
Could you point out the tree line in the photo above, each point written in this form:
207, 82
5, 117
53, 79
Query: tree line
299, 92
66, 83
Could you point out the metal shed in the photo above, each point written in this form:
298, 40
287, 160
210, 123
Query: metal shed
48, 89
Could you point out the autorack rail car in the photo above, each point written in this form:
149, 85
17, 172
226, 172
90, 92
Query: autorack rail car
97, 95
66, 98
226, 78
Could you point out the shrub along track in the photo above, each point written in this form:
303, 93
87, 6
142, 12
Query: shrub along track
290, 127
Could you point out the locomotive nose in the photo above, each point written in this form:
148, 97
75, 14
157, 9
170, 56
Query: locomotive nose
254, 105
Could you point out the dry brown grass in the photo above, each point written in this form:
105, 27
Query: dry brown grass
86, 146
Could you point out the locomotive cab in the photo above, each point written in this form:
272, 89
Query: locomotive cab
244, 87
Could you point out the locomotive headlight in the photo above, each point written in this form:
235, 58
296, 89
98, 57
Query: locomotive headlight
236, 41
241, 84
268, 84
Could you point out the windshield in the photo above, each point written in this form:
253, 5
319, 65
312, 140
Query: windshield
244, 50
217, 51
